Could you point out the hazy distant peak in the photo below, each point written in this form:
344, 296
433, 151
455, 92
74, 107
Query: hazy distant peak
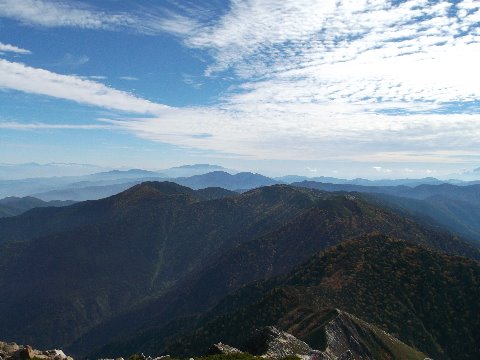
128, 172
199, 166
194, 169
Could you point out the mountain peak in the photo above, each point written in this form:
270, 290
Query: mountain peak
153, 189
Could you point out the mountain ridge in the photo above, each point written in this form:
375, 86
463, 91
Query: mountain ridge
341, 276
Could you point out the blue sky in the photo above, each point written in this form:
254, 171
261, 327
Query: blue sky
316, 87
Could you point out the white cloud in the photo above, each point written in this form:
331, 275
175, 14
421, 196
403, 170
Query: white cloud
318, 79
44, 126
317, 132
48, 13
380, 169
60, 13
4, 48
73, 60
128, 78
20, 77
96, 77
352, 51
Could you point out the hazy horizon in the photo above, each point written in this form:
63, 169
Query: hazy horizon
34, 170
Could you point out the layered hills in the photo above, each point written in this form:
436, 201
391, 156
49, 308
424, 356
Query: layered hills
11, 206
146, 267
454, 207
452, 204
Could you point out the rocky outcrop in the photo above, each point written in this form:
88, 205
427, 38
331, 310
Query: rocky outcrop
275, 344
222, 349
345, 339
13, 351
348, 337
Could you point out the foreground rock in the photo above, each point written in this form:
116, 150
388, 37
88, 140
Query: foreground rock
13, 351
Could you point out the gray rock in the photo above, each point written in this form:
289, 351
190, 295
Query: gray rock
9, 348
222, 349
26, 353
272, 343
12, 351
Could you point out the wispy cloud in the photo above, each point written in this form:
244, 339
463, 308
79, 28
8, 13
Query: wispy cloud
193, 81
128, 78
17, 76
71, 60
5, 48
352, 51
44, 126
97, 77
380, 169
61, 14
49, 13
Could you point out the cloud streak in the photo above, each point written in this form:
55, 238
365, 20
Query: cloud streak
11, 125
320, 133
6, 48
61, 14
75, 14
17, 76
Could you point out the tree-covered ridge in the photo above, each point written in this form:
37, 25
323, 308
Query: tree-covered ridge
426, 299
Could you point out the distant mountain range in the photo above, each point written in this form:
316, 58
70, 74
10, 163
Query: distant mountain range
102, 184
163, 268
12, 206
36, 170
57, 170
454, 207
192, 170
289, 179
239, 182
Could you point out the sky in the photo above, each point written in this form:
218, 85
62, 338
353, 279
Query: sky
344, 88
